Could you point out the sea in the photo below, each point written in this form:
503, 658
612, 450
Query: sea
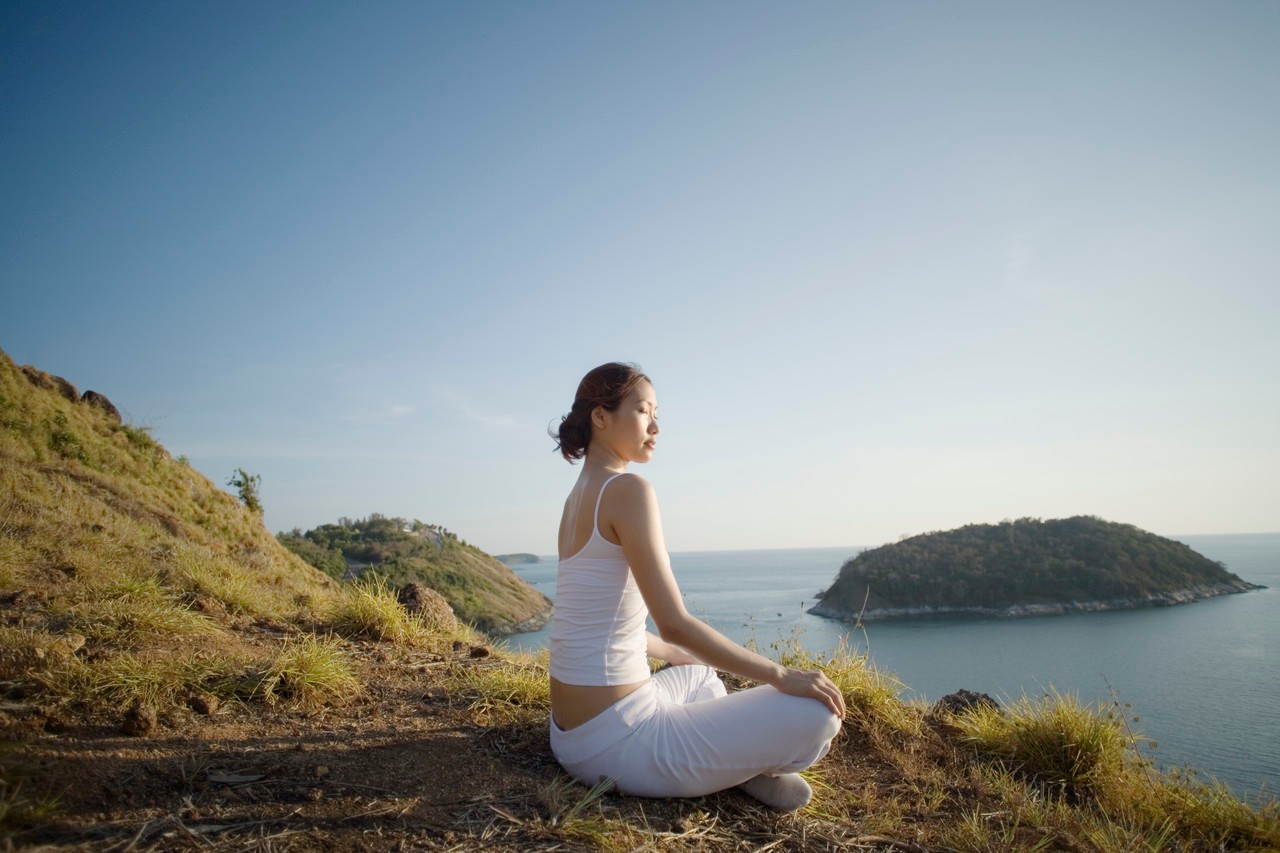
1203, 679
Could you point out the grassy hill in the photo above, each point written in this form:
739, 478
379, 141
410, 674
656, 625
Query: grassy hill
107, 535
481, 589
172, 678
1024, 567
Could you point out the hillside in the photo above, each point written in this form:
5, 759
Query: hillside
481, 590
98, 518
172, 678
1024, 567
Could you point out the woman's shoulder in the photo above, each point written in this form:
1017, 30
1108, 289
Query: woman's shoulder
630, 480
629, 488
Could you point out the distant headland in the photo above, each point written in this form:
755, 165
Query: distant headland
1026, 567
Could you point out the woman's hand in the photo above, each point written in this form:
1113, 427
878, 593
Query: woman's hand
814, 684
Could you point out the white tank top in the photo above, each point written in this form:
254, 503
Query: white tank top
597, 627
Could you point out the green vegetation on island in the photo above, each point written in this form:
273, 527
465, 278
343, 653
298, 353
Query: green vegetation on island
171, 677
1024, 567
480, 589
521, 559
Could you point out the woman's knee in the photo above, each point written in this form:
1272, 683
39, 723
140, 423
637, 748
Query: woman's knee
830, 726
710, 686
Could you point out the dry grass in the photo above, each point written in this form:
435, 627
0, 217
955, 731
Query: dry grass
131, 613
506, 688
1076, 767
370, 609
873, 699
308, 672
1080, 751
119, 680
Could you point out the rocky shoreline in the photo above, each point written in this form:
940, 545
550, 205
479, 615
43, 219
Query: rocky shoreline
534, 623
1156, 599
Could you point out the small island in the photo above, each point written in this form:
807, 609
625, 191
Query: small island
1024, 568
521, 559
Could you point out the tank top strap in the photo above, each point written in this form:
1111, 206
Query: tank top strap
595, 521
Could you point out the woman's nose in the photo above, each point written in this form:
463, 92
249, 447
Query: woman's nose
653, 427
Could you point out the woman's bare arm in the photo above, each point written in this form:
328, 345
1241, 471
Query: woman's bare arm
660, 649
630, 511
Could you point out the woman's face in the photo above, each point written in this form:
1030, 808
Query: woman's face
631, 431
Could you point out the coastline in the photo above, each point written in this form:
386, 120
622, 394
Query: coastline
1014, 611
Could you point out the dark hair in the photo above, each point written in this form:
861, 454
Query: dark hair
604, 386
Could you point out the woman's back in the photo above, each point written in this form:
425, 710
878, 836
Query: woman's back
598, 626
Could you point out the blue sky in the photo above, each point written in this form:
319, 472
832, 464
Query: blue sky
893, 267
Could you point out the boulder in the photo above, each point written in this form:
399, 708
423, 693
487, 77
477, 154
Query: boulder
49, 382
100, 401
961, 701
424, 601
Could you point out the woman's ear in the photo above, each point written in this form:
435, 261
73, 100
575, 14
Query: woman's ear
597, 417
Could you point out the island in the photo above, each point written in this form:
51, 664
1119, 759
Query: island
521, 559
1024, 568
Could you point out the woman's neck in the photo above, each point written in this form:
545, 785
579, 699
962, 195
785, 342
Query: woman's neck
603, 459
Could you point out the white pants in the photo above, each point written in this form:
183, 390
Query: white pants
680, 735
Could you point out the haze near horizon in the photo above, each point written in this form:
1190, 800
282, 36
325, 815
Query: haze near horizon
892, 268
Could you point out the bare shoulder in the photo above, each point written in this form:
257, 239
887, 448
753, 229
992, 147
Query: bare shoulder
629, 498
632, 487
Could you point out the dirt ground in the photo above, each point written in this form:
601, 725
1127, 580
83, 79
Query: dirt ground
404, 767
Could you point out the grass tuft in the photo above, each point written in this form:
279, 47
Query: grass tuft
1081, 751
308, 672
124, 678
238, 587
511, 688
1210, 813
131, 611
370, 609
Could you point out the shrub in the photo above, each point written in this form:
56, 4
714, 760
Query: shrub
247, 485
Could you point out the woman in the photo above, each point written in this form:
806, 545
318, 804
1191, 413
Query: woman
676, 733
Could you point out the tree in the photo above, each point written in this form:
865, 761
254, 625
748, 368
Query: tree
248, 485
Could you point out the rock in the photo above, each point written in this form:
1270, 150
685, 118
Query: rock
424, 601
321, 771
49, 382
203, 703
480, 652
100, 401
139, 720
961, 701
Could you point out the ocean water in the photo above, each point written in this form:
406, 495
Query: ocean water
1203, 678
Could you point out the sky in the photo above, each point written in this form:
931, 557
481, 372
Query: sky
893, 267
